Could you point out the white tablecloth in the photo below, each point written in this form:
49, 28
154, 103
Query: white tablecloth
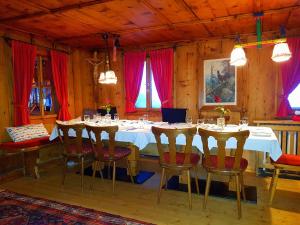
261, 139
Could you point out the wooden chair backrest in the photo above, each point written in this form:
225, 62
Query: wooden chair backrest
171, 135
68, 141
221, 138
98, 143
288, 138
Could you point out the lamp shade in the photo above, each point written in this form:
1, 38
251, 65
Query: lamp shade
108, 77
281, 52
238, 57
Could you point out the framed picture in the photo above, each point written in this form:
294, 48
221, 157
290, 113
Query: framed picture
219, 82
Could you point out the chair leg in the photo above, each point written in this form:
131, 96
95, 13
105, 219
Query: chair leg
108, 169
273, 185
208, 180
161, 184
98, 167
196, 179
94, 167
130, 172
166, 180
243, 186
82, 172
238, 196
114, 176
189, 188
64, 171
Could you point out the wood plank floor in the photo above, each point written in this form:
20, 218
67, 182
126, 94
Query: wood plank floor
139, 201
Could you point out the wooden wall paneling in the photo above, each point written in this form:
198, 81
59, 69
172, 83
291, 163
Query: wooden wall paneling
187, 81
78, 104
6, 89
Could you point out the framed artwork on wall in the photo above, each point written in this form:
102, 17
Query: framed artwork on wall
219, 82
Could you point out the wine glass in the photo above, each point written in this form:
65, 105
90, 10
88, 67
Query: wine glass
189, 120
200, 122
86, 118
244, 122
116, 117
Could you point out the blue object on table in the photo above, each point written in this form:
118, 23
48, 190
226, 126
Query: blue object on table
173, 115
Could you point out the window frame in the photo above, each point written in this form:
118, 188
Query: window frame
148, 90
40, 85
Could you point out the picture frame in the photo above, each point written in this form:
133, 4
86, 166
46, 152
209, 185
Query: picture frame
220, 82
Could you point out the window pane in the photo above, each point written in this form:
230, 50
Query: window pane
155, 101
294, 99
141, 101
47, 72
47, 100
34, 102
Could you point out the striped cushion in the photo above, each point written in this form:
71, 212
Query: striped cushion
27, 132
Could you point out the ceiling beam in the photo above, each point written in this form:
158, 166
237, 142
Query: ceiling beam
186, 23
54, 11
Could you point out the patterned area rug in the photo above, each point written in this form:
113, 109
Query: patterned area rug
17, 209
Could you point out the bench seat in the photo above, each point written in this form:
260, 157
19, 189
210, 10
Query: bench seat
36, 142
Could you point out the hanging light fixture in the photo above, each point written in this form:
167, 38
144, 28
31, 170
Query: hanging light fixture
281, 52
238, 57
108, 76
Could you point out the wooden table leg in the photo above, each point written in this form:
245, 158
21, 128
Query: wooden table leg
133, 160
30, 158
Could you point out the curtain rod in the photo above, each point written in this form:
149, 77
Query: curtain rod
7, 39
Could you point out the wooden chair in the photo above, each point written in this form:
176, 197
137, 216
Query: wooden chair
110, 154
222, 164
289, 139
172, 160
74, 148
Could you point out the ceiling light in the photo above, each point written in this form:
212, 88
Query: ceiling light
108, 76
238, 57
281, 52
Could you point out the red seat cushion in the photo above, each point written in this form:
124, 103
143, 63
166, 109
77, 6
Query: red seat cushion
287, 159
119, 153
181, 156
25, 144
86, 149
229, 162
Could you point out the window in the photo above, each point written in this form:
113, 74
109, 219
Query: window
148, 96
42, 99
294, 99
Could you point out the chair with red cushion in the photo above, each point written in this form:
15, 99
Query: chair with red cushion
285, 162
110, 154
222, 164
173, 161
75, 148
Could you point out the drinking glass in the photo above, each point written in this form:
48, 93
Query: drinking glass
86, 118
244, 122
189, 120
116, 117
200, 122
141, 122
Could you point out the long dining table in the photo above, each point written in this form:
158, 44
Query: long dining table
139, 135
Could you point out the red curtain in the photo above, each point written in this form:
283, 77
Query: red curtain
23, 68
59, 62
162, 62
290, 72
133, 72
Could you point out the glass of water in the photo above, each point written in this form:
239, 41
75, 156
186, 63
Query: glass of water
200, 122
86, 118
189, 120
116, 117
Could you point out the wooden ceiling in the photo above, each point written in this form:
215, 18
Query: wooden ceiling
139, 22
